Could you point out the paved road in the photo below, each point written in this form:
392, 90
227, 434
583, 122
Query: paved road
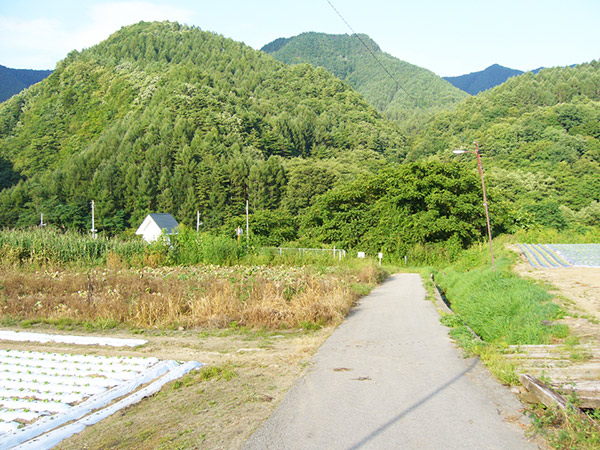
390, 378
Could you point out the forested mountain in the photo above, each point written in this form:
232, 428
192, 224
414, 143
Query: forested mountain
540, 139
420, 92
476, 82
167, 118
13, 81
164, 117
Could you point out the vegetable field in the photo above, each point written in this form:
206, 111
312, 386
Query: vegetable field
562, 255
42, 391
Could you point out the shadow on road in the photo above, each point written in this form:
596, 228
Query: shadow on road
414, 406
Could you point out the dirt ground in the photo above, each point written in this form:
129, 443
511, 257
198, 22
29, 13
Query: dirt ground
577, 290
217, 407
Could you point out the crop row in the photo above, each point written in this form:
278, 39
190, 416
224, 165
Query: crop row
36, 384
580, 255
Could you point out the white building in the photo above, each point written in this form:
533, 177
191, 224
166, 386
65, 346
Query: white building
154, 224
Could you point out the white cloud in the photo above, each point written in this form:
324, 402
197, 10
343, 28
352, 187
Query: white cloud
40, 43
31, 43
106, 18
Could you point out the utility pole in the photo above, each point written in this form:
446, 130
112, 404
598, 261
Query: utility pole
247, 223
93, 230
485, 204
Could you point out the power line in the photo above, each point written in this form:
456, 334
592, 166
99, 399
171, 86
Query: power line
372, 53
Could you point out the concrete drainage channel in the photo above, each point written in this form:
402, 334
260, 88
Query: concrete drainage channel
47, 397
444, 305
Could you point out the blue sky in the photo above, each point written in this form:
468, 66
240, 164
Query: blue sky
449, 37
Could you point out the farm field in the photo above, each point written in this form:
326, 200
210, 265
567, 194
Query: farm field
254, 329
218, 406
562, 255
187, 297
42, 391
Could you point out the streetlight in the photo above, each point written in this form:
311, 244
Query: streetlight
485, 205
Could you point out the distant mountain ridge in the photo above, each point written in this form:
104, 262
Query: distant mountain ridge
476, 82
414, 94
13, 81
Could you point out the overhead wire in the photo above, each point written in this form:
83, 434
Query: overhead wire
394, 79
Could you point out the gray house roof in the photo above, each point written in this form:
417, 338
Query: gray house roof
165, 221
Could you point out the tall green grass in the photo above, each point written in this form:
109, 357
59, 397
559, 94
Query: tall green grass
501, 307
189, 248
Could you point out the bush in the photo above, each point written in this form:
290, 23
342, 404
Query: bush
188, 247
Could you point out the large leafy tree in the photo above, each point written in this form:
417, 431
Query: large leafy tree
402, 206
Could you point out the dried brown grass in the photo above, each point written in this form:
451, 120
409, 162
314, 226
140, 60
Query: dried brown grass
180, 297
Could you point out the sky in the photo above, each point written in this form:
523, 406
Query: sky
448, 37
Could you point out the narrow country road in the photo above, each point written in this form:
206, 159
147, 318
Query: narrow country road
390, 378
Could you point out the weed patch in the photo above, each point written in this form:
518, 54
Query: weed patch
180, 297
568, 429
217, 373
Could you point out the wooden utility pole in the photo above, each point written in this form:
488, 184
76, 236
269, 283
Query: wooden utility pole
485, 204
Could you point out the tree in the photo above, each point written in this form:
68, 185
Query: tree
402, 206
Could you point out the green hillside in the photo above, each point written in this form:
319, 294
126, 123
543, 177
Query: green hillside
163, 117
166, 118
540, 137
421, 91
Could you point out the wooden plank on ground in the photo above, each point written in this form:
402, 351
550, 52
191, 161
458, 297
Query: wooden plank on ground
545, 394
587, 392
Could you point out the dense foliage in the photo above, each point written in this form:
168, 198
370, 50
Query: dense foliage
412, 95
476, 82
540, 137
163, 117
403, 208
13, 81
167, 118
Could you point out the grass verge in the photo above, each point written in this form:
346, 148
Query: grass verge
501, 307
504, 309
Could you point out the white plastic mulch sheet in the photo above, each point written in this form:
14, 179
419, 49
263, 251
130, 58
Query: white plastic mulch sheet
578, 255
562, 255
40, 392
22, 336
